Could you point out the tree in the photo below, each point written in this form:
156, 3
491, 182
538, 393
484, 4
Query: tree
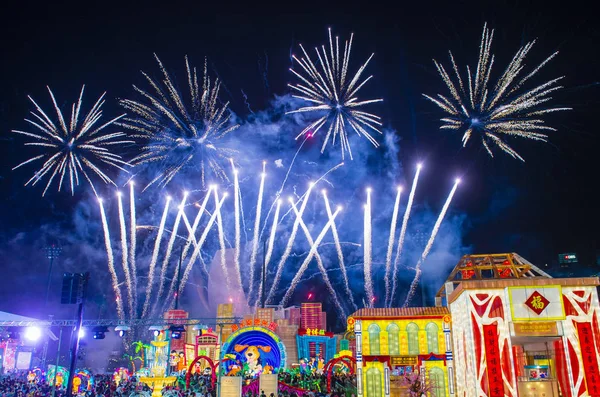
140, 348
131, 361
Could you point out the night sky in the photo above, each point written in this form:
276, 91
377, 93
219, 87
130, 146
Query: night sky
539, 208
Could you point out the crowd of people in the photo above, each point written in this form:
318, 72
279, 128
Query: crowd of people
342, 384
17, 384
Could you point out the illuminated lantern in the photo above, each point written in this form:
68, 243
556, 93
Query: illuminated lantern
468, 274
505, 272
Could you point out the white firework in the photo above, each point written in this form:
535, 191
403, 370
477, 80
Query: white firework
73, 147
494, 112
179, 132
332, 94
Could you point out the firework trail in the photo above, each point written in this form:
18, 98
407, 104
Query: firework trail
273, 232
222, 240
111, 262
125, 254
390, 249
237, 215
332, 96
405, 219
73, 148
278, 193
320, 264
497, 111
368, 249
191, 239
290, 243
311, 253
133, 242
196, 252
270, 247
434, 232
194, 227
255, 239
154, 259
167, 257
321, 178
338, 248
181, 134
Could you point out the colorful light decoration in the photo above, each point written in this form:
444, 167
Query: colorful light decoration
272, 355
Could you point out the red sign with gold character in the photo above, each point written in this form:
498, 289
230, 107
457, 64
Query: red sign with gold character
492, 357
590, 361
254, 323
537, 302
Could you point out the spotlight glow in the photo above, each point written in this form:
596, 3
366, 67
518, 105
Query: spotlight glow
33, 334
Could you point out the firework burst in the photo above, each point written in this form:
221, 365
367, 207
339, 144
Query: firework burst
494, 112
72, 147
180, 132
332, 93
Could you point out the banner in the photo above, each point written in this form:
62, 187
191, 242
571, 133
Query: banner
492, 357
403, 361
23, 361
268, 384
231, 386
536, 329
590, 360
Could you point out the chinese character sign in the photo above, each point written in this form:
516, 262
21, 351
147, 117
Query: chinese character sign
537, 303
314, 332
492, 356
272, 326
590, 360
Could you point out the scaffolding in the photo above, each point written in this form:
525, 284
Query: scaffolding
136, 322
489, 267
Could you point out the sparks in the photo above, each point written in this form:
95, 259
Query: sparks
436, 228
73, 147
319, 260
332, 95
497, 111
308, 259
390, 249
290, 244
338, 248
111, 261
154, 259
253, 255
367, 248
178, 135
402, 236
167, 257
125, 256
